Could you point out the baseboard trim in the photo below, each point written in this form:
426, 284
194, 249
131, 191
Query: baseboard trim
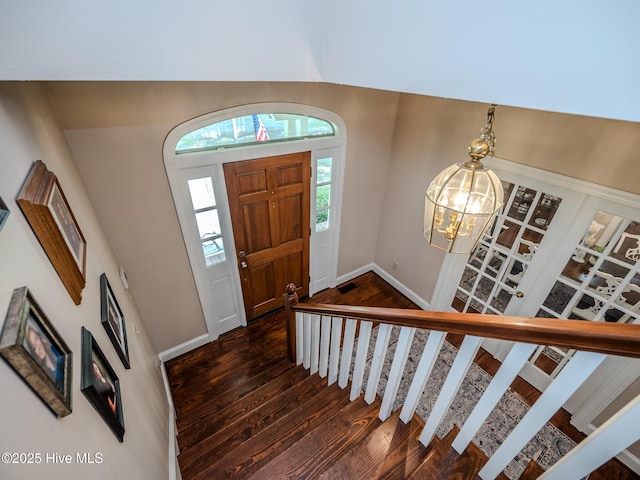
407, 292
183, 348
174, 471
624, 456
354, 273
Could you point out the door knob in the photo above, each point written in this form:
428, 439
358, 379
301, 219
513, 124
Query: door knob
241, 254
243, 265
518, 294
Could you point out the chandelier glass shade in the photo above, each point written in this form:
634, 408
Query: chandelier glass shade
463, 199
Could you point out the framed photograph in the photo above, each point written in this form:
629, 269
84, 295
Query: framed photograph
4, 213
99, 383
113, 320
37, 353
45, 207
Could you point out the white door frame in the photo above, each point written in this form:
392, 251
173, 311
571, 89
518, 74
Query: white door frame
178, 167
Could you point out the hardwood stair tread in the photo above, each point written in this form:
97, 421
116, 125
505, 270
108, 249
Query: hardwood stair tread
532, 471
244, 426
206, 402
443, 462
217, 420
324, 445
274, 439
219, 365
390, 452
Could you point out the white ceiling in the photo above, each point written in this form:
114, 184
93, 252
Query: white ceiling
570, 56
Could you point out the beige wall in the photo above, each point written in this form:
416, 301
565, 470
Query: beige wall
395, 145
116, 132
29, 132
431, 133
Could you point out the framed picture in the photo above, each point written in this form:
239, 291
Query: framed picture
37, 353
4, 213
99, 383
44, 205
113, 320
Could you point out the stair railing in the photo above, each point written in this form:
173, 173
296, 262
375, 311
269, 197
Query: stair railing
323, 337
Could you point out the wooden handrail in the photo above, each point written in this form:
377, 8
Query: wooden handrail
600, 337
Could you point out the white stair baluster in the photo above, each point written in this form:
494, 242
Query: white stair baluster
395, 373
510, 368
423, 371
347, 352
377, 362
557, 393
315, 343
307, 341
324, 346
361, 359
604, 443
461, 364
299, 338
334, 354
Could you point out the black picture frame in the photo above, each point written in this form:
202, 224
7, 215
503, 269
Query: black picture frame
100, 385
113, 320
4, 213
35, 350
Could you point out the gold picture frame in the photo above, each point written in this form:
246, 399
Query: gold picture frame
45, 207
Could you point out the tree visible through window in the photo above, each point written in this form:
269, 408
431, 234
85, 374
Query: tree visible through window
323, 193
248, 129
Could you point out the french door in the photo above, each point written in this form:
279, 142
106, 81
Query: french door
557, 250
599, 280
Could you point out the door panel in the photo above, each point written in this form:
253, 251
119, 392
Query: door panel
491, 279
600, 281
256, 232
269, 204
290, 213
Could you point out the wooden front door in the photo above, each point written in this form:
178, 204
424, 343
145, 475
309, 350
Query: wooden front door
269, 204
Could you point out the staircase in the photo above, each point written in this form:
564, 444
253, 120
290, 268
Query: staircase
296, 427
244, 411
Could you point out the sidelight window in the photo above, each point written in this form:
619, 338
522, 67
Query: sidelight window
206, 212
323, 193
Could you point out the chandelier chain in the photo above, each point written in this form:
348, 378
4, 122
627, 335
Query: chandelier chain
486, 133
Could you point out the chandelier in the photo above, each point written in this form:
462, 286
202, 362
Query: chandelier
463, 199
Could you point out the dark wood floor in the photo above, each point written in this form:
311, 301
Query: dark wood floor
244, 412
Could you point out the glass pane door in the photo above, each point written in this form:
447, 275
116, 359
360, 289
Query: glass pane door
500, 260
600, 282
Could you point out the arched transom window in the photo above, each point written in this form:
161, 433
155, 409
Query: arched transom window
250, 129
